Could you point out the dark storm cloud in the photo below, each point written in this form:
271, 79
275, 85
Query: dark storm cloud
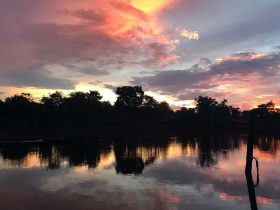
37, 78
235, 67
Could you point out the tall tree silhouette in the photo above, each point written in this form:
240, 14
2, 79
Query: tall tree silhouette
21, 107
53, 100
52, 104
264, 110
82, 105
149, 101
206, 108
129, 96
2, 105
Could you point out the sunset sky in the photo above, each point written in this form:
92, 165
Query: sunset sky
176, 49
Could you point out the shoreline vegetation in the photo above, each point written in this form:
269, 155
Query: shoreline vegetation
82, 113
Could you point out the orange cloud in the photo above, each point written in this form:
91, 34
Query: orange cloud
149, 6
190, 35
265, 201
170, 197
243, 57
133, 20
228, 197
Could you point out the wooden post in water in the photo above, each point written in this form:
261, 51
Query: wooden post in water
248, 169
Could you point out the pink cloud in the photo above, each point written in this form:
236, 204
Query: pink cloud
63, 32
242, 78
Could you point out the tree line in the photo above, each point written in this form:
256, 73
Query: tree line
132, 107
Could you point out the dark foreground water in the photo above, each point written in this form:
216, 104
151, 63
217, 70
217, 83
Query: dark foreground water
190, 172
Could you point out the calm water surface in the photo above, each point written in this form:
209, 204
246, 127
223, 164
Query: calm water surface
201, 172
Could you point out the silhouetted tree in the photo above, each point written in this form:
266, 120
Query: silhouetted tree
164, 111
186, 116
264, 110
129, 96
206, 108
52, 104
82, 105
149, 101
211, 112
2, 105
21, 106
54, 100
234, 112
205, 105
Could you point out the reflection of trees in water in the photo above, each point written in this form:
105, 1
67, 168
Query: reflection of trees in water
131, 155
51, 155
206, 155
54, 154
79, 153
15, 152
211, 148
268, 144
131, 158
